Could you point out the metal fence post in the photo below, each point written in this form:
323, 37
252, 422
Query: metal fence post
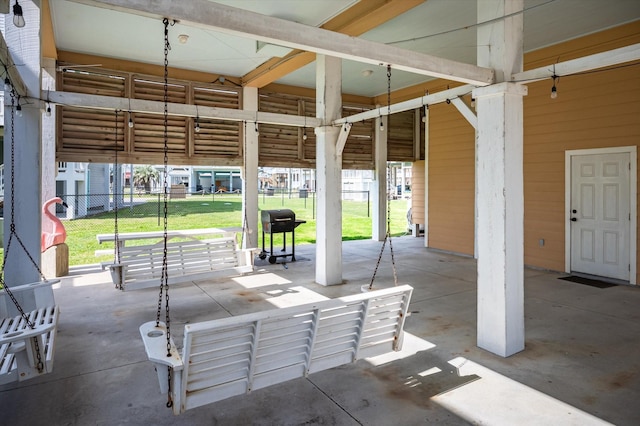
368, 204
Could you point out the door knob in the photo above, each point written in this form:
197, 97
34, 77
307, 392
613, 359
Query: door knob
574, 219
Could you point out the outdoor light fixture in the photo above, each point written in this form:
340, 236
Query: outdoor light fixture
18, 17
48, 110
19, 110
554, 90
304, 129
381, 124
197, 124
7, 83
222, 80
130, 115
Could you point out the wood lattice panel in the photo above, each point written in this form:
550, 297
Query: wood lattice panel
82, 129
401, 134
217, 138
148, 130
88, 134
86, 129
279, 144
287, 146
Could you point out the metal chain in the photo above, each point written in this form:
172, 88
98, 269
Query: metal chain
164, 281
116, 240
36, 343
393, 261
388, 233
245, 224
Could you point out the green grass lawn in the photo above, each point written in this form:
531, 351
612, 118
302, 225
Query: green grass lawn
219, 211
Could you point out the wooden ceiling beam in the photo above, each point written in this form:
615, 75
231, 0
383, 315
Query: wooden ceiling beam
47, 36
355, 21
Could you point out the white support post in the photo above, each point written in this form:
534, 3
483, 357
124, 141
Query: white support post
426, 176
500, 190
250, 173
49, 165
417, 126
329, 172
380, 190
24, 48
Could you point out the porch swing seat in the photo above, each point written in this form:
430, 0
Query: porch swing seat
18, 354
141, 266
236, 355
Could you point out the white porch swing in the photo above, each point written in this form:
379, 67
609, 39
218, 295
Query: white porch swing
236, 355
28, 313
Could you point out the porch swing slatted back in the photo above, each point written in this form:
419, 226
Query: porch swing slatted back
237, 355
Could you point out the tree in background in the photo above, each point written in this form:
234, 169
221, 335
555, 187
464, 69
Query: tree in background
145, 176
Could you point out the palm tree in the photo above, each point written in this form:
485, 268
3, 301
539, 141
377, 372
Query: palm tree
145, 176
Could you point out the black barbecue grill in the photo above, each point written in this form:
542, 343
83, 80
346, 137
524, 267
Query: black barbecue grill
279, 222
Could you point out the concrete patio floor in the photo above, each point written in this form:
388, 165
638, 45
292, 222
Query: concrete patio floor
581, 364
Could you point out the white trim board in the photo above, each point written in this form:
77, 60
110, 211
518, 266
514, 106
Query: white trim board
633, 204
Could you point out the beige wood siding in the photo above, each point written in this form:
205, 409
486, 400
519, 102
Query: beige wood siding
451, 180
593, 110
417, 193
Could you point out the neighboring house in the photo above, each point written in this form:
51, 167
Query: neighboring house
204, 178
84, 186
213, 178
357, 184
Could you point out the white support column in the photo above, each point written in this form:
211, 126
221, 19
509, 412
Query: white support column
426, 176
70, 199
24, 48
250, 172
329, 172
417, 126
379, 199
499, 174
49, 165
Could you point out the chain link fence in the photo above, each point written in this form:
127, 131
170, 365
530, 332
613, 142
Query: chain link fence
89, 215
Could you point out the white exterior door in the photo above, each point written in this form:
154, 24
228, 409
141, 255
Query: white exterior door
600, 215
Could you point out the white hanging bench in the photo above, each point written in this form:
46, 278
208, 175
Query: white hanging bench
18, 355
141, 266
236, 355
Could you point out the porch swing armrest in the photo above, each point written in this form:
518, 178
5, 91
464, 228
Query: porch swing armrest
26, 334
245, 258
33, 286
49, 316
155, 344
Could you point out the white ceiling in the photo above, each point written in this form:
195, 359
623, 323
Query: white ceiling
444, 28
